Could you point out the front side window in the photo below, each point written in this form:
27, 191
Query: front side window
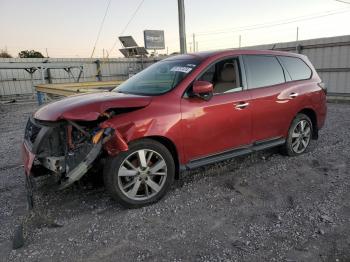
263, 71
224, 75
158, 78
296, 68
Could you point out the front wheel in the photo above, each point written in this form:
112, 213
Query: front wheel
299, 135
140, 176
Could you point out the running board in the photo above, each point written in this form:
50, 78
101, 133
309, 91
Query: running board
257, 146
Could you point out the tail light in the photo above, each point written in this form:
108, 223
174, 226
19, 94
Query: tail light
323, 86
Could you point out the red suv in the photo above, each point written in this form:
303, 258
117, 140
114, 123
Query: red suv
183, 112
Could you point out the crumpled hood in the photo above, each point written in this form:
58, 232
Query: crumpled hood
89, 107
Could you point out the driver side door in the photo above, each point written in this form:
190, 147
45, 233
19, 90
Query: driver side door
222, 125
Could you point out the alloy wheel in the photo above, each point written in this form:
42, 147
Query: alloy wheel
142, 174
301, 136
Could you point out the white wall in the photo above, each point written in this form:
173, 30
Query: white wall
18, 82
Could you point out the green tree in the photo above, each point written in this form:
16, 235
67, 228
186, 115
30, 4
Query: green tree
4, 54
30, 54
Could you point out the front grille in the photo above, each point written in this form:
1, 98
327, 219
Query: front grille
32, 131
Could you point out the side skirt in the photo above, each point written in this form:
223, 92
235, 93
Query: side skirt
257, 146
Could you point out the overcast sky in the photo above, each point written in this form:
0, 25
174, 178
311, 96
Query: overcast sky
68, 28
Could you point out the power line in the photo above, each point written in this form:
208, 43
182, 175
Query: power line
132, 17
275, 23
341, 1
272, 24
229, 35
254, 39
126, 26
100, 29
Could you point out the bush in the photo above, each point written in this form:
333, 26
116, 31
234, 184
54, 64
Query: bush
30, 54
4, 54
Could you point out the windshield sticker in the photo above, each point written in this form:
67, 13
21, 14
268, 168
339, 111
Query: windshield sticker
191, 65
183, 69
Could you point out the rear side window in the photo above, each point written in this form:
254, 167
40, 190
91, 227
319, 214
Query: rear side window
263, 71
296, 68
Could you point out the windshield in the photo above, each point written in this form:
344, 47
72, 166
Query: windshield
158, 78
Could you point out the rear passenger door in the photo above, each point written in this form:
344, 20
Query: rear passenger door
271, 105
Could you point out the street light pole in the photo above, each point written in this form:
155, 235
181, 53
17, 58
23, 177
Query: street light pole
182, 26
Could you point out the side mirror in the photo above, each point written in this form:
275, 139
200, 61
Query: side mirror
203, 89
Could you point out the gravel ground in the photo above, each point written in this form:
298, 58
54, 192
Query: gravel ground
262, 207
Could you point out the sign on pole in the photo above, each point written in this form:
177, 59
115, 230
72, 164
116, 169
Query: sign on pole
154, 39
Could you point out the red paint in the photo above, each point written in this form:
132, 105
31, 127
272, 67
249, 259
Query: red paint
214, 126
115, 144
28, 159
202, 87
197, 127
88, 107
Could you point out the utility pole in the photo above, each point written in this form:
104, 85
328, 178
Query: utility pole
239, 41
194, 42
182, 26
297, 33
297, 46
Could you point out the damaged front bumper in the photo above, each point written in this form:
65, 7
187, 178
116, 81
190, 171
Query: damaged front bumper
66, 149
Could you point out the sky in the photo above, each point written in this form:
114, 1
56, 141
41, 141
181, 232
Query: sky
69, 28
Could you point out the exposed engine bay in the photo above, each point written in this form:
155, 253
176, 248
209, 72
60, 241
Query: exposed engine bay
67, 148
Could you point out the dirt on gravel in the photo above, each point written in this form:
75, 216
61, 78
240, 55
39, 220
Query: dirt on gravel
261, 207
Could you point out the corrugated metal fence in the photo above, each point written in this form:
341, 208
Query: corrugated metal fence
330, 56
19, 76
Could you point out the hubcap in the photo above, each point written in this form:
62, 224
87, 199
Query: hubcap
142, 174
301, 136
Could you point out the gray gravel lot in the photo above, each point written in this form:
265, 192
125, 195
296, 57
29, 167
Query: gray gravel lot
262, 207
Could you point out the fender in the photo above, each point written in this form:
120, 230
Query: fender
142, 126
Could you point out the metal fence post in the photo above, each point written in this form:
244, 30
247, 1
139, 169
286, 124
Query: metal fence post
40, 96
98, 70
298, 48
49, 77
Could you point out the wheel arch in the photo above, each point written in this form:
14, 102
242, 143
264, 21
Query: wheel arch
313, 117
170, 145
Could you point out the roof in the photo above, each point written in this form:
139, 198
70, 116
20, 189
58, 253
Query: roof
206, 54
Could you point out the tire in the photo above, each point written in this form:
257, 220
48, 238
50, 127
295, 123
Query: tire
299, 136
140, 176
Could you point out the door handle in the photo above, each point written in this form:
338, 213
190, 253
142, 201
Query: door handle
241, 105
293, 95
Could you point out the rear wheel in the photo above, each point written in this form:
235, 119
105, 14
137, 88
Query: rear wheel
140, 176
299, 135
